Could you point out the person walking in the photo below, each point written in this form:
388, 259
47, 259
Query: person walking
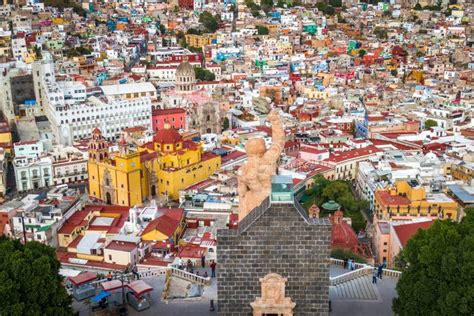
203, 261
353, 265
109, 276
345, 263
135, 272
213, 269
380, 271
374, 276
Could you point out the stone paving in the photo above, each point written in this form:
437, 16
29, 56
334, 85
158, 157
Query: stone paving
385, 289
200, 306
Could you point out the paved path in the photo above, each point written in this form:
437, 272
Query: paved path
382, 306
179, 307
200, 306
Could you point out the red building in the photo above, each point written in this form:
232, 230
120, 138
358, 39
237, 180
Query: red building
176, 117
186, 4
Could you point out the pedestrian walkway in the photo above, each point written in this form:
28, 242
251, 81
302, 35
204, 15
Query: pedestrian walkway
358, 289
356, 297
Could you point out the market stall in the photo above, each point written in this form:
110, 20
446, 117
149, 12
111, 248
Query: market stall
81, 285
139, 295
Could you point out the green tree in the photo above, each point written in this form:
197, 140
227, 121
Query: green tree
193, 31
37, 51
30, 283
339, 253
438, 270
266, 5
362, 53
429, 123
335, 3
418, 7
340, 191
255, 13
209, 21
204, 74
262, 30
225, 124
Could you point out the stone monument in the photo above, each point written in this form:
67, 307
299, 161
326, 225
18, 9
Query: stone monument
275, 237
273, 300
255, 176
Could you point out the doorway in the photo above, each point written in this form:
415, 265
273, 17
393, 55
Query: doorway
108, 198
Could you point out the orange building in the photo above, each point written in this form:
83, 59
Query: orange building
408, 199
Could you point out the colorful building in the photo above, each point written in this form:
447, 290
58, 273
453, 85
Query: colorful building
390, 238
106, 220
408, 199
163, 167
168, 226
199, 41
176, 117
6, 138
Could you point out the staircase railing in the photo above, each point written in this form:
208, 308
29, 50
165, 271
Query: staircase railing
361, 269
190, 276
354, 274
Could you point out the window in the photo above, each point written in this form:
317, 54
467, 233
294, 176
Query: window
110, 257
385, 244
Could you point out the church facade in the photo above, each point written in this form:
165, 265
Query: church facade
202, 112
161, 167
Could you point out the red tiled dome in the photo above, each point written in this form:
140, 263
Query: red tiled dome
343, 236
167, 136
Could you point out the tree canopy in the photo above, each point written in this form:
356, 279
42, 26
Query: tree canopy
204, 74
209, 21
262, 30
429, 123
438, 270
340, 191
30, 283
325, 8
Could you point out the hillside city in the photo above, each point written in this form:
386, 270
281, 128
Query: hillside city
128, 142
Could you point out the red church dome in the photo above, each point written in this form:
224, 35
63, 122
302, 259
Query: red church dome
343, 236
167, 135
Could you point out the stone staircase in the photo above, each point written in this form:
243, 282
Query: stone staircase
360, 288
357, 284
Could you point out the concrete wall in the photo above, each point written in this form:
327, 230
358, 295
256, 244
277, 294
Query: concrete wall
277, 238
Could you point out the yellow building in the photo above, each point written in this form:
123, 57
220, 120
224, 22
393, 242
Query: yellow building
406, 200
6, 138
166, 227
200, 41
462, 171
163, 167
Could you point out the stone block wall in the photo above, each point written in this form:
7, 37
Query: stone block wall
276, 238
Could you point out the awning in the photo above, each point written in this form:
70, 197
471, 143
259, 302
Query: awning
111, 285
99, 297
139, 287
83, 278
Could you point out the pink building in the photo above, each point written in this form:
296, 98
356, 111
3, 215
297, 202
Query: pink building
176, 117
389, 238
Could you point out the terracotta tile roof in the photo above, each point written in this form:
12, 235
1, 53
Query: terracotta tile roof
388, 199
405, 232
351, 154
167, 223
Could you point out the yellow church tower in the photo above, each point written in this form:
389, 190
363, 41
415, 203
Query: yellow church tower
114, 178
